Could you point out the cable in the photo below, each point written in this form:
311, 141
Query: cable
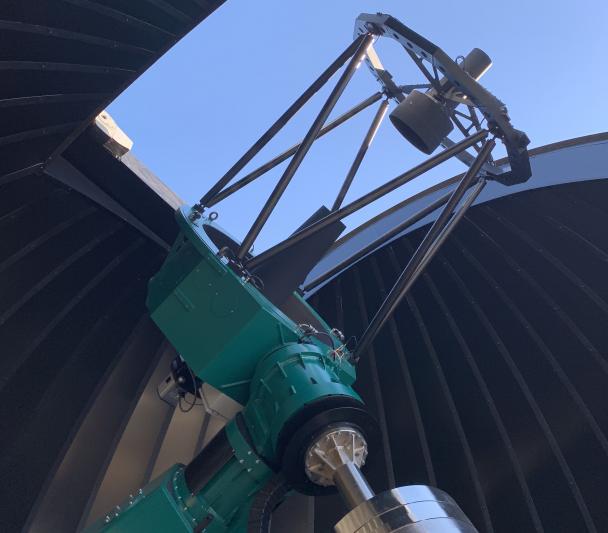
309, 330
195, 389
336, 351
190, 405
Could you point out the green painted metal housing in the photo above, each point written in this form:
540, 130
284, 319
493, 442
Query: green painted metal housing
167, 505
289, 378
157, 507
224, 502
217, 321
235, 339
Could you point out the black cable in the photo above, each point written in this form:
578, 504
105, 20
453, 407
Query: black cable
195, 389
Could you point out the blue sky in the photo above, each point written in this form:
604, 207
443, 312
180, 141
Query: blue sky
195, 112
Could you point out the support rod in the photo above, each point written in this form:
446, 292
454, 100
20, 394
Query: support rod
279, 123
368, 198
433, 81
309, 138
447, 230
352, 485
412, 270
260, 171
367, 141
402, 226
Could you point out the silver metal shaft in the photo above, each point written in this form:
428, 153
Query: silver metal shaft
352, 485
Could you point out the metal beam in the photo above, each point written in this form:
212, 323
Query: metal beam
367, 141
385, 237
59, 33
51, 99
260, 171
447, 230
278, 124
121, 17
367, 198
52, 66
309, 139
423, 253
40, 132
63, 171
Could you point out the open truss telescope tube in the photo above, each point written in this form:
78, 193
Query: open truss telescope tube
280, 122
367, 141
368, 198
261, 170
310, 137
413, 268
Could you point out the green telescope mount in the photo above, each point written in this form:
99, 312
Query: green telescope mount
240, 323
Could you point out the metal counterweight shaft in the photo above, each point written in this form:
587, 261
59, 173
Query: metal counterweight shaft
352, 485
335, 458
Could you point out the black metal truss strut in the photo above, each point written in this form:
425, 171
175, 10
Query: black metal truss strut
294, 164
367, 199
365, 144
381, 240
277, 160
279, 123
439, 231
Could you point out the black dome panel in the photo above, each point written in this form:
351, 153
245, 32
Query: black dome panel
489, 381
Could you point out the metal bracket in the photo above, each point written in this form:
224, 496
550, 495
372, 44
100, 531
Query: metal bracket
491, 107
